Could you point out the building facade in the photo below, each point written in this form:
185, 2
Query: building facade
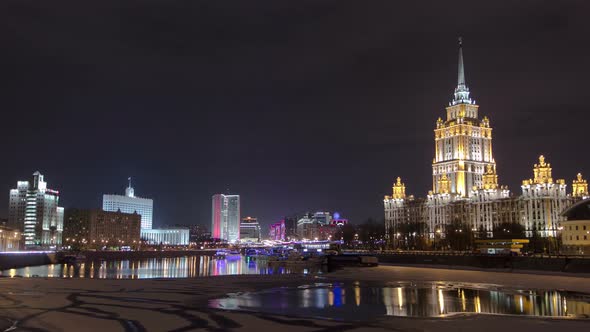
575, 233
544, 200
249, 230
10, 239
174, 236
97, 228
129, 203
225, 220
33, 210
465, 185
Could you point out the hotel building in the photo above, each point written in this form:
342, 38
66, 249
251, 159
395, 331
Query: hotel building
465, 186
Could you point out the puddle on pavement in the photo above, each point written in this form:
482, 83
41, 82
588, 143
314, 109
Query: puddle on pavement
361, 302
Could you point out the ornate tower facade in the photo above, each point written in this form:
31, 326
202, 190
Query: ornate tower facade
543, 200
580, 187
463, 143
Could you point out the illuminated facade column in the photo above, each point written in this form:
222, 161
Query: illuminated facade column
463, 142
543, 200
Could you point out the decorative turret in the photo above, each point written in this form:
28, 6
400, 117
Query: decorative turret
542, 174
399, 189
580, 187
490, 178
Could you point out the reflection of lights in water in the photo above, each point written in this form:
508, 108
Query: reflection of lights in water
520, 302
441, 301
306, 298
357, 293
321, 295
400, 298
463, 302
564, 306
387, 298
477, 303
331, 298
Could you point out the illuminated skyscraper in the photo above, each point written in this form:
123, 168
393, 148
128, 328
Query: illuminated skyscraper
463, 143
34, 211
130, 204
465, 187
225, 219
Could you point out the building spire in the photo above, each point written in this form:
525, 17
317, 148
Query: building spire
461, 95
461, 72
129, 192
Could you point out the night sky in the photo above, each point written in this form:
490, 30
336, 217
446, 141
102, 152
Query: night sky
295, 105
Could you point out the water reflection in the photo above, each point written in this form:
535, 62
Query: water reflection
363, 302
180, 267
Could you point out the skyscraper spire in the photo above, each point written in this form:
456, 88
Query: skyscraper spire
461, 91
461, 72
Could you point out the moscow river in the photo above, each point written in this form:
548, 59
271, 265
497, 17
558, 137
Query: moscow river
178, 267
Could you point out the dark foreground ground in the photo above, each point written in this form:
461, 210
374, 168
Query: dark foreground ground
181, 304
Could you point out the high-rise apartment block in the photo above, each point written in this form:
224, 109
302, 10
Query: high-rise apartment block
34, 211
130, 204
225, 220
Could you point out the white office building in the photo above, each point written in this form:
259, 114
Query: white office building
166, 236
33, 210
130, 204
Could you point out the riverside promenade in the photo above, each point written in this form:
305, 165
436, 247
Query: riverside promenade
51, 304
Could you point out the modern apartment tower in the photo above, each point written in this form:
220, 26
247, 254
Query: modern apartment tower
130, 204
34, 211
225, 221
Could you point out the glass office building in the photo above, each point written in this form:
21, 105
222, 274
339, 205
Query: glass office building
225, 221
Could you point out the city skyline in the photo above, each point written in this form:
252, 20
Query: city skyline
332, 116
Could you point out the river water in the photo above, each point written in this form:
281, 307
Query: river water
365, 302
179, 267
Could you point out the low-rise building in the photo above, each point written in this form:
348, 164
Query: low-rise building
174, 236
575, 230
10, 239
249, 230
97, 228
